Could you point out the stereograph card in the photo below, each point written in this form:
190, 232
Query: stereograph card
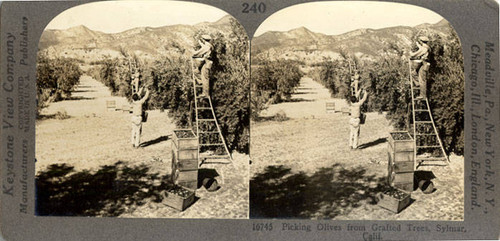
255, 120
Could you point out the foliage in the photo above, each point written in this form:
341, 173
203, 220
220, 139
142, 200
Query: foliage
335, 76
55, 79
273, 82
446, 90
230, 86
169, 79
387, 81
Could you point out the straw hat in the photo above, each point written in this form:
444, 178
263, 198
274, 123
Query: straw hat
423, 39
206, 37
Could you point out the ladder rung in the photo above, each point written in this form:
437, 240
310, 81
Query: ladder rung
204, 108
422, 164
206, 119
428, 146
423, 122
422, 110
425, 134
214, 156
431, 158
209, 132
212, 144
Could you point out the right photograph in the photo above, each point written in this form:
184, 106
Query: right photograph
357, 113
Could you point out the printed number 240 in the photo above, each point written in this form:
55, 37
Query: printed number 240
254, 7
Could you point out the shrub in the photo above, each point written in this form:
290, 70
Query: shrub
62, 115
335, 76
273, 82
387, 81
169, 79
231, 85
280, 116
446, 90
55, 79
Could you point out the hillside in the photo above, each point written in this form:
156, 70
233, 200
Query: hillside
83, 43
305, 45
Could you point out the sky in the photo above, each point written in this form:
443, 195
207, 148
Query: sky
118, 16
334, 18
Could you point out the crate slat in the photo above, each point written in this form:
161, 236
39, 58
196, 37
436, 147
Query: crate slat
405, 177
182, 176
401, 156
405, 186
400, 166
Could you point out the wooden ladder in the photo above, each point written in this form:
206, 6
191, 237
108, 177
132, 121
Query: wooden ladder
211, 143
428, 148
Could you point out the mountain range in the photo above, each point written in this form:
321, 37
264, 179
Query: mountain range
80, 42
302, 44
305, 45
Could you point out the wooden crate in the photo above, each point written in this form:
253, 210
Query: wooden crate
183, 165
402, 180
185, 139
187, 179
177, 201
126, 108
184, 176
404, 177
187, 158
405, 186
110, 105
401, 145
400, 166
187, 154
338, 108
346, 111
330, 107
393, 203
401, 156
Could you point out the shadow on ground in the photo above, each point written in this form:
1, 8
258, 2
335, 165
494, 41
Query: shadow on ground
154, 141
294, 100
275, 117
373, 143
329, 192
79, 98
305, 93
109, 191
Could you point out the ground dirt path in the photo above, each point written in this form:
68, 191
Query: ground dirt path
308, 101
310, 152
93, 137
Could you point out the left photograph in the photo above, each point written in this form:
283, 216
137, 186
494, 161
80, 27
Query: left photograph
143, 112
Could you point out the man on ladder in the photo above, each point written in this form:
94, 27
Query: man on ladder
421, 65
428, 149
355, 84
202, 63
211, 143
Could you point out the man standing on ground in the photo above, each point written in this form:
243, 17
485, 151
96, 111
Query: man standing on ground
355, 121
421, 65
137, 112
203, 63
